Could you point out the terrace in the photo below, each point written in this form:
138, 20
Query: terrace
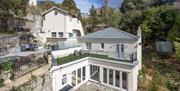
114, 56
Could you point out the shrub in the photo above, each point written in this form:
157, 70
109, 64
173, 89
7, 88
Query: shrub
153, 87
177, 47
1, 82
6, 66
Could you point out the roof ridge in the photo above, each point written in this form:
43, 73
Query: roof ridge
132, 35
54, 7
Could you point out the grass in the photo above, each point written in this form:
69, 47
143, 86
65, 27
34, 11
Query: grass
9, 32
72, 57
6, 66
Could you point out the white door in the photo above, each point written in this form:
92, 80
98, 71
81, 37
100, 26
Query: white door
120, 51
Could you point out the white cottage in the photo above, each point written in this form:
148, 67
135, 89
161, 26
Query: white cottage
109, 57
59, 26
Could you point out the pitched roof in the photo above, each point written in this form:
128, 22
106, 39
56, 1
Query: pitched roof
110, 33
54, 7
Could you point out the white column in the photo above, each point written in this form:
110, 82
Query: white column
87, 72
81, 74
120, 75
129, 82
76, 77
70, 78
114, 78
107, 76
101, 74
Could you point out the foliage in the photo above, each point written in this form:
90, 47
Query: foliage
70, 5
44, 5
1, 82
13, 7
6, 66
157, 22
114, 17
153, 87
177, 47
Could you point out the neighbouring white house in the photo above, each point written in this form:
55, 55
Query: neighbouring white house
109, 57
32, 2
60, 27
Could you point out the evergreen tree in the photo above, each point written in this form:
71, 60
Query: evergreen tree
70, 5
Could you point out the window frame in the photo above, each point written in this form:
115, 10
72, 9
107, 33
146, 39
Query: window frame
102, 46
60, 34
54, 34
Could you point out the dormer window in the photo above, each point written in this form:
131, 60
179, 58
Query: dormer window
55, 13
70, 19
43, 17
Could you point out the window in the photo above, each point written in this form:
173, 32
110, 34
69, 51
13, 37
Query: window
102, 46
70, 19
55, 13
122, 47
70, 34
53, 34
60, 34
77, 21
79, 76
117, 78
124, 80
105, 75
44, 18
84, 73
64, 79
88, 45
111, 77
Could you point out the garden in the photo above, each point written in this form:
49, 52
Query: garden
160, 74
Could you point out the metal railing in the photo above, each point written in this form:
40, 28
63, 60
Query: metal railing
114, 55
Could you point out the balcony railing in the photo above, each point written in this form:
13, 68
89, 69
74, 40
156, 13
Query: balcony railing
114, 55
125, 57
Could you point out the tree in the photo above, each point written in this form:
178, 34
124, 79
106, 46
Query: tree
157, 22
129, 5
44, 5
93, 18
11, 8
70, 5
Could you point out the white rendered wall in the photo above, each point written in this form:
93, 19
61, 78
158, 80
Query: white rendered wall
58, 71
65, 52
62, 22
129, 48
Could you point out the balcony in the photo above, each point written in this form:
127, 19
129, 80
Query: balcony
114, 56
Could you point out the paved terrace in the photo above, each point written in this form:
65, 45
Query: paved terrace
92, 86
